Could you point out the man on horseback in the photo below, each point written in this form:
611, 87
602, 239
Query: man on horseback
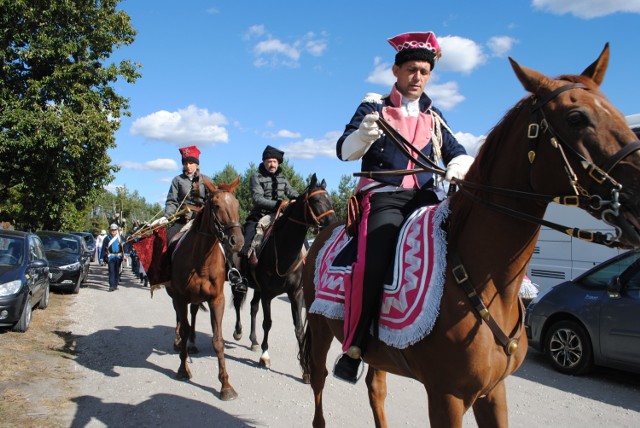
187, 191
270, 191
388, 199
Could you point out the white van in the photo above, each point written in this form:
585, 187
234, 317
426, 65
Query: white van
558, 257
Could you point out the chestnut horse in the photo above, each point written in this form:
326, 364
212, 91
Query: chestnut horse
279, 268
198, 271
565, 139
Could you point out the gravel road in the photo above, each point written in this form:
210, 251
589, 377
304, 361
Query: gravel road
126, 370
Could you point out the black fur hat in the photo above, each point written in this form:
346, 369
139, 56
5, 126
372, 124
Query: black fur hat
273, 153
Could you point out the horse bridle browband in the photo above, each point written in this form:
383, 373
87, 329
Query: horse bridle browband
315, 218
219, 229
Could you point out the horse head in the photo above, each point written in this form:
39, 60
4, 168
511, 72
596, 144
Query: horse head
573, 144
224, 210
318, 210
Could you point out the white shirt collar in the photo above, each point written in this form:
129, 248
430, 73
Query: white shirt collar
410, 107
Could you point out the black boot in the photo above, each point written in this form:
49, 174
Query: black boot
347, 369
237, 281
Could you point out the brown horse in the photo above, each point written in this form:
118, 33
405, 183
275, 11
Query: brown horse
566, 138
279, 268
198, 271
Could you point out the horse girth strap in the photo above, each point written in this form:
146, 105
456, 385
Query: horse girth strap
509, 345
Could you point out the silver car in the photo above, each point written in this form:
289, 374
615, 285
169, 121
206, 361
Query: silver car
592, 320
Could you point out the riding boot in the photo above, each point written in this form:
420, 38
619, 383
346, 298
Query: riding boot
236, 279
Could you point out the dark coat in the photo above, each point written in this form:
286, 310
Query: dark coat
266, 190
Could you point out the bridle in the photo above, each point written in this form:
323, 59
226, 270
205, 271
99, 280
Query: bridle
581, 197
310, 219
219, 230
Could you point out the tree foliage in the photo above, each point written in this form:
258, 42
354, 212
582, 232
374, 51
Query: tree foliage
58, 107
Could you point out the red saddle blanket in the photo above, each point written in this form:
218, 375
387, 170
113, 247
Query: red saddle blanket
411, 300
152, 251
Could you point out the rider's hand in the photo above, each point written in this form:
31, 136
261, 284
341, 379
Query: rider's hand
458, 167
161, 220
283, 203
369, 130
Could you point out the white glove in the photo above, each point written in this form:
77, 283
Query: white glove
458, 167
161, 220
359, 141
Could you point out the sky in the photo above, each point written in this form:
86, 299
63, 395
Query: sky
232, 77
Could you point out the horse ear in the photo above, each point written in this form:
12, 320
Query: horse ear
234, 184
323, 184
211, 188
597, 70
314, 180
530, 79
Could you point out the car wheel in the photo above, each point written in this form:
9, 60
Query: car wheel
568, 348
44, 300
76, 289
25, 319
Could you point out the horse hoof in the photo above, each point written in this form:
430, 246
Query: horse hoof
237, 336
183, 375
306, 378
228, 394
255, 348
193, 349
265, 360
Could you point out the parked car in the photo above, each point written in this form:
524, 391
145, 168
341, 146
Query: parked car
68, 259
90, 240
24, 278
591, 320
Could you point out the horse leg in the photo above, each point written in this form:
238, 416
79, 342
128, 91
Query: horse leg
445, 410
193, 349
255, 302
376, 381
313, 359
238, 299
216, 307
491, 409
183, 329
265, 360
297, 302
177, 342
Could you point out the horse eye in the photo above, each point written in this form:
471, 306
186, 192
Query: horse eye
576, 119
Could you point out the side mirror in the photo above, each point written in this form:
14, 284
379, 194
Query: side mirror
613, 288
39, 263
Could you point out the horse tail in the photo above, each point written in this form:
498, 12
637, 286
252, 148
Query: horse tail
305, 352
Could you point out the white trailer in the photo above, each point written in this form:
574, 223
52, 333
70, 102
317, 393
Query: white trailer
558, 257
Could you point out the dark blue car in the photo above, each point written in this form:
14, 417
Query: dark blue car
24, 278
68, 259
592, 320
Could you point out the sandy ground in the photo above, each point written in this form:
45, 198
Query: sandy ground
126, 366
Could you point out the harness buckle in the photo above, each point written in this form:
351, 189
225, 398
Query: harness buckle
570, 201
460, 274
586, 235
597, 174
533, 131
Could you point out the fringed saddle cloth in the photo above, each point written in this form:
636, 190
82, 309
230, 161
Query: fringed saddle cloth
411, 300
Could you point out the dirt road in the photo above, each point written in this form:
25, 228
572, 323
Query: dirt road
126, 370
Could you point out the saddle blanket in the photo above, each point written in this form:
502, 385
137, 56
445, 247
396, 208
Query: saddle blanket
411, 302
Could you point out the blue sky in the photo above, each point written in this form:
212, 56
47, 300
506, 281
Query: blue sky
233, 76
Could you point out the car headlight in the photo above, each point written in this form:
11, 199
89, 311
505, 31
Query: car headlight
72, 266
11, 287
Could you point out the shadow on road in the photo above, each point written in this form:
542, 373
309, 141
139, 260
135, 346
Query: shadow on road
596, 385
158, 410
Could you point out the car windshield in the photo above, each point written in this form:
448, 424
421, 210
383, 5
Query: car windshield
11, 250
601, 277
61, 243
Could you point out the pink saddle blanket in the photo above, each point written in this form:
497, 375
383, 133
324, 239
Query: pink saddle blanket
411, 302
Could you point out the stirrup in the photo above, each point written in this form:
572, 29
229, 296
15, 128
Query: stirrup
234, 276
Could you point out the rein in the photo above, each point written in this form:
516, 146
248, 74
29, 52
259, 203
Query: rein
219, 229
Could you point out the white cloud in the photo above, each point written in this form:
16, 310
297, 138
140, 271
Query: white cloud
470, 142
310, 148
381, 74
501, 45
445, 96
213, 11
192, 125
274, 52
154, 165
284, 133
460, 55
587, 9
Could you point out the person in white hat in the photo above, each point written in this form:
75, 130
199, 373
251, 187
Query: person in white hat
113, 254
99, 241
388, 198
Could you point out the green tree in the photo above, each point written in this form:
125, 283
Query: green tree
58, 107
340, 198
